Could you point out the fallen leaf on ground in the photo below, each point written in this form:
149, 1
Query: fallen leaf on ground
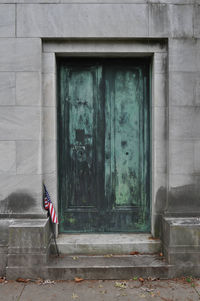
161, 254
22, 280
189, 279
154, 279
134, 253
39, 281
2, 279
48, 282
152, 238
77, 279
74, 296
121, 284
108, 255
75, 257
141, 279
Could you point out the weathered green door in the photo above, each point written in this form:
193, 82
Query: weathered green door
104, 145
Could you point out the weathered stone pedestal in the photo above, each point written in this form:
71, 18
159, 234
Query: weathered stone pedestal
181, 243
4, 234
28, 248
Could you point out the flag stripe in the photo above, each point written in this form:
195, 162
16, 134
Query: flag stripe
49, 206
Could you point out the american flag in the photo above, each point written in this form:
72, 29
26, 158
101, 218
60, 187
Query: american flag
49, 206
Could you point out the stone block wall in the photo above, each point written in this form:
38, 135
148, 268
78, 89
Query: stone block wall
20, 122
28, 94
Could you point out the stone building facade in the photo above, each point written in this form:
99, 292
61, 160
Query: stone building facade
34, 34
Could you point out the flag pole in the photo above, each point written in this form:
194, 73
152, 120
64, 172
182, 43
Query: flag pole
51, 214
54, 237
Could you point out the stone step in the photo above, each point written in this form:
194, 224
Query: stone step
67, 267
107, 267
101, 244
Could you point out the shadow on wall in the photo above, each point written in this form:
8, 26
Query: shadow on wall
182, 201
17, 202
160, 207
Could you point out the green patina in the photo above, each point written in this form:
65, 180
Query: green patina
104, 145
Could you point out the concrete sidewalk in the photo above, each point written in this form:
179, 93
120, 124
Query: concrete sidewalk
98, 290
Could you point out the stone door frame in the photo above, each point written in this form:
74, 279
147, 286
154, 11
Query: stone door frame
157, 50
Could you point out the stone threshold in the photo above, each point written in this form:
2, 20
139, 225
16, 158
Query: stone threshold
102, 244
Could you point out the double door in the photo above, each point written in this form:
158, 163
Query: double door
103, 145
